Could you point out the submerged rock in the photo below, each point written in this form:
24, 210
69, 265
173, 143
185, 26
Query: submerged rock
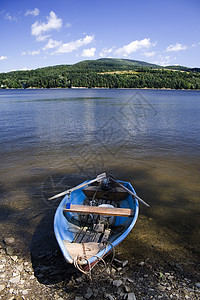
108, 296
117, 282
9, 251
9, 240
131, 296
89, 293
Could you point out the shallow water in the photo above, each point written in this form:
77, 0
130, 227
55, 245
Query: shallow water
54, 139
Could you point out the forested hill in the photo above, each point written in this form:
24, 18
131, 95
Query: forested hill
105, 73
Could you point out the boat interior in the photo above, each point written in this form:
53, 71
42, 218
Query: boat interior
91, 233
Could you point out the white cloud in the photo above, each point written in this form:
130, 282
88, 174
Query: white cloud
42, 38
68, 25
33, 53
149, 54
52, 44
22, 69
133, 47
164, 60
39, 30
74, 45
10, 18
89, 52
34, 12
106, 52
3, 57
176, 47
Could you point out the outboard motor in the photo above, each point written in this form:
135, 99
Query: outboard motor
106, 184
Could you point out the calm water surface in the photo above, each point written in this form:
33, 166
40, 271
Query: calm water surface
53, 139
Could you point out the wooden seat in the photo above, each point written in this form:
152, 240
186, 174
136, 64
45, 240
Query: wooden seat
106, 211
114, 194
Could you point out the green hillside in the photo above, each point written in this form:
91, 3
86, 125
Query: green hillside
105, 73
114, 64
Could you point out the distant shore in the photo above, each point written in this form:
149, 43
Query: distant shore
98, 88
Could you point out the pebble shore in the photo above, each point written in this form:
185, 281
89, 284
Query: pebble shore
47, 276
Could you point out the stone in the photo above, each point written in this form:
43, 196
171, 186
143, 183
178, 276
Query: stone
14, 258
108, 296
20, 267
2, 251
198, 285
117, 282
131, 296
2, 287
9, 251
25, 292
113, 271
121, 263
95, 292
79, 298
130, 280
89, 293
79, 279
161, 288
127, 289
125, 263
142, 263
28, 269
15, 279
9, 240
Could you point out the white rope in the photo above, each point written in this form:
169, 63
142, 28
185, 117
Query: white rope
77, 262
77, 265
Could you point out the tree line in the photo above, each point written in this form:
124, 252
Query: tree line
102, 76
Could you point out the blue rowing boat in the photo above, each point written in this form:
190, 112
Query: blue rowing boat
93, 218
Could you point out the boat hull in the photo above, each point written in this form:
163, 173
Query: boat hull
67, 225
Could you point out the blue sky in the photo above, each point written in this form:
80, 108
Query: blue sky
45, 33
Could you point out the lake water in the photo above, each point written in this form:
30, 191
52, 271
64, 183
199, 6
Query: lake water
53, 139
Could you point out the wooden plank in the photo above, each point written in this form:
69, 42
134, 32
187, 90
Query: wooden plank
88, 237
97, 237
96, 210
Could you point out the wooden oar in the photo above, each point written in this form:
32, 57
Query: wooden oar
97, 210
98, 178
130, 192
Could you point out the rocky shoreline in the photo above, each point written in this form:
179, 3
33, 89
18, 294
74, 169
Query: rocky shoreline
47, 276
